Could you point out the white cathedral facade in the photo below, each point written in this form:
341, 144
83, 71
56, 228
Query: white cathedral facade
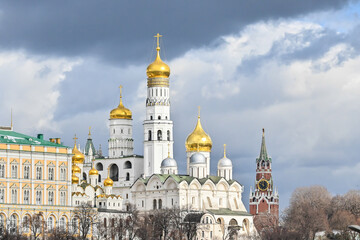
153, 181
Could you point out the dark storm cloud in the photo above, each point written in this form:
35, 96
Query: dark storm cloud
118, 30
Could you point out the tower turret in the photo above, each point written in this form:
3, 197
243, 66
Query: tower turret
264, 198
120, 142
158, 127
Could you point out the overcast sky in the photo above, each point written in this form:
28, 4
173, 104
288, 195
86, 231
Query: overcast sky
292, 67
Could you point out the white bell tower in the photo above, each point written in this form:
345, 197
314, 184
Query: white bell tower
158, 127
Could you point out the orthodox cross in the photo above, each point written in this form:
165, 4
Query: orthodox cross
158, 36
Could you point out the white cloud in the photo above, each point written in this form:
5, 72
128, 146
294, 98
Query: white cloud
30, 86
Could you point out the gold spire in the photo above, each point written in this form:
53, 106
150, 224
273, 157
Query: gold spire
120, 112
108, 182
224, 150
158, 69
78, 157
198, 140
93, 170
89, 131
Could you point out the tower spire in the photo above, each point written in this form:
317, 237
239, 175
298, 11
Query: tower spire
263, 152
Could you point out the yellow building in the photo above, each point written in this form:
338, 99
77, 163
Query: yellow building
35, 177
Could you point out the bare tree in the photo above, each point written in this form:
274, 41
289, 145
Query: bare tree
59, 233
132, 222
87, 217
308, 211
35, 224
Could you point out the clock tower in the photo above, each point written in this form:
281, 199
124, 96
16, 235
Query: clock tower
264, 199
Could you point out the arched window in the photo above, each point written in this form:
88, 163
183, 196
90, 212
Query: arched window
114, 172
25, 223
38, 173
14, 196
2, 170
160, 203
99, 166
2, 195
38, 197
13, 223
127, 165
151, 117
63, 174
14, 171
84, 176
51, 198
149, 135
262, 163
127, 177
2, 222
62, 198
99, 178
168, 135
154, 204
159, 117
26, 196
50, 223
74, 225
27, 172
51, 173
62, 223
159, 135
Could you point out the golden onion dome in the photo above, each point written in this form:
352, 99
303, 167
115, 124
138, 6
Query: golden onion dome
198, 140
93, 170
158, 68
78, 157
74, 179
120, 112
108, 182
76, 169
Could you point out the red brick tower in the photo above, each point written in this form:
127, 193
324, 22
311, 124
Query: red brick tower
264, 199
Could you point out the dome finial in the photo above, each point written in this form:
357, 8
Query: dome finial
89, 131
263, 132
75, 138
158, 36
120, 112
198, 111
224, 150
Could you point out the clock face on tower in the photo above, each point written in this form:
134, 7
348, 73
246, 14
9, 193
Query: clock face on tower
263, 184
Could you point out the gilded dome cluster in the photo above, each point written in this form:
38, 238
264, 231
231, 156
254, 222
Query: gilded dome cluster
198, 140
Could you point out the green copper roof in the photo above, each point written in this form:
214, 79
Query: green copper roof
90, 144
227, 211
11, 137
263, 152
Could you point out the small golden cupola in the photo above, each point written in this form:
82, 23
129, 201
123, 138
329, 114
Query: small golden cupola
108, 182
120, 112
78, 157
74, 179
198, 140
75, 169
93, 170
158, 69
